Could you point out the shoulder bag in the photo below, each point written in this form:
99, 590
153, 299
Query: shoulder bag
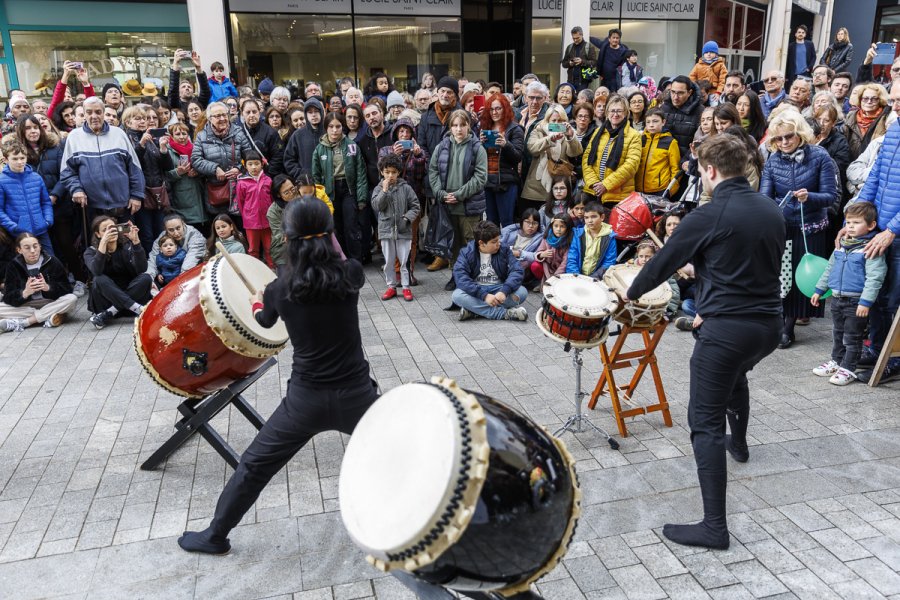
220, 192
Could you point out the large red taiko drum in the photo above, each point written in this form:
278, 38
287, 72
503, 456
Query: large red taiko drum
199, 335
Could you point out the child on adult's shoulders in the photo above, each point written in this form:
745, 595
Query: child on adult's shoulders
593, 248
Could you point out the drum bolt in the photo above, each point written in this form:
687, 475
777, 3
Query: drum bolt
410, 565
484, 452
453, 533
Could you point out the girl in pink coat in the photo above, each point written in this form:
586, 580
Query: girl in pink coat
254, 197
554, 249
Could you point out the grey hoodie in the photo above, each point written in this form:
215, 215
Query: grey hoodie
300, 147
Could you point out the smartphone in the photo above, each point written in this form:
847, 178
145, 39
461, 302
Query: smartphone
884, 54
479, 104
491, 138
158, 133
556, 127
76, 65
123, 228
407, 144
183, 159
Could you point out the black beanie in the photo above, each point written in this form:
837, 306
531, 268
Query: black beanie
108, 87
449, 82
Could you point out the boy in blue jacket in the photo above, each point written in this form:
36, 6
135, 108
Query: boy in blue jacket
855, 281
25, 205
220, 86
593, 248
489, 278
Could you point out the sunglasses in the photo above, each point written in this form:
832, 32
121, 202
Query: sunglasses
783, 138
869, 99
771, 79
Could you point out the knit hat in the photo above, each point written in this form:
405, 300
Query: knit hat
449, 83
395, 99
16, 98
266, 86
108, 87
470, 87
710, 46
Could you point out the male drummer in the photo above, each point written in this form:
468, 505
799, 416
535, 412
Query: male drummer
735, 243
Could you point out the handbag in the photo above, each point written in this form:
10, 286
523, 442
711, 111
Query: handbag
155, 197
588, 74
219, 193
559, 168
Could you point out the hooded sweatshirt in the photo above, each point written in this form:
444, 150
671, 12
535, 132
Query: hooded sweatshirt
299, 151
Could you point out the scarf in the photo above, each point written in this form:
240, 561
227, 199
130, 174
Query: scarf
443, 113
797, 155
553, 241
771, 102
182, 149
710, 61
745, 123
631, 68
864, 122
615, 154
222, 135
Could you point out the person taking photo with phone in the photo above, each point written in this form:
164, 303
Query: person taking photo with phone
62, 93
181, 91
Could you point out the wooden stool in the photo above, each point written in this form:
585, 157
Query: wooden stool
637, 358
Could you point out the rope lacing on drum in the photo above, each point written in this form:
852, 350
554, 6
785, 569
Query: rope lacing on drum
637, 312
232, 320
454, 504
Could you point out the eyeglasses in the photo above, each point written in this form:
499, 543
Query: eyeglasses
679, 94
496, 109
771, 79
535, 98
218, 116
561, 189
582, 117
139, 118
894, 103
615, 111
869, 99
783, 138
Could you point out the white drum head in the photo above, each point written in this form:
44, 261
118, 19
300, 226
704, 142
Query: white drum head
579, 295
658, 296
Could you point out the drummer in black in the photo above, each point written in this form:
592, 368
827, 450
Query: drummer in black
735, 243
329, 388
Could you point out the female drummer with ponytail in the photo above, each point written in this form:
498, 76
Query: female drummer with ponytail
329, 388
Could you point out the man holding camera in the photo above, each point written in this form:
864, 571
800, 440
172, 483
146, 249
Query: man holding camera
579, 55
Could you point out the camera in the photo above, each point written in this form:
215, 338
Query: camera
123, 228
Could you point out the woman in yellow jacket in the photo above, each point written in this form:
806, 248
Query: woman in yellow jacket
613, 155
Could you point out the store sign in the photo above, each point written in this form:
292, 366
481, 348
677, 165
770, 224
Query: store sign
417, 8
108, 66
672, 11
547, 9
604, 10
316, 7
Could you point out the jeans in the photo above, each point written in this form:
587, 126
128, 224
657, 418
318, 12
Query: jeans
581, 87
346, 219
881, 314
501, 206
150, 223
848, 333
480, 307
689, 307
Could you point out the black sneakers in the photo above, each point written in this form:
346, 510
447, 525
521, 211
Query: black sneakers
891, 372
102, 319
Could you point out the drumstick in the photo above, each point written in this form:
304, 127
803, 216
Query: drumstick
655, 239
235, 267
625, 286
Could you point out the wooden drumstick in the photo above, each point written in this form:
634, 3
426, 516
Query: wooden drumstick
655, 239
235, 267
625, 286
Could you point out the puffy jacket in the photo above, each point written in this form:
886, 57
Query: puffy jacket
227, 153
838, 149
855, 139
354, 168
254, 197
193, 243
267, 142
474, 174
175, 85
838, 56
154, 163
682, 121
556, 264
170, 266
588, 54
24, 202
660, 162
49, 167
221, 89
299, 149
714, 73
850, 273
607, 258
619, 181
104, 166
536, 184
816, 174
17, 276
881, 187
507, 267
510, 157
508, 237
397, 208
188, 193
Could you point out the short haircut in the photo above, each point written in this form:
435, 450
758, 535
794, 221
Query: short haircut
844, 75
392, 161
735, 73
485, 231
828, 71
167, 238
656, 112
92, 100
683, 80
865, 210
531, 76
346, 80
829, 110
807, 81
704, 85
630, 53
537, 86
14, 147
594, 206
792, 120
280, 92
577, 30
804, 28
496, 84
726, 153
130, 113
178, 127
615, 31
216, 66
373, 105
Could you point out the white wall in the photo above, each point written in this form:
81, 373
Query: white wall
208, 39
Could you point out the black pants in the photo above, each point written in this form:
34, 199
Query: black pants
64, 244
346, 219
726, 349
849, 332
105, 293
303, 413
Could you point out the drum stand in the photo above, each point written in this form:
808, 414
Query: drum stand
198, 414
578, 418
639, 359
429, 591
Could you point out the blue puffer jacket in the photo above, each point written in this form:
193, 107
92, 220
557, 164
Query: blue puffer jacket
508, 238
881, 187
170, 266
815, 174
24, 202
851, 274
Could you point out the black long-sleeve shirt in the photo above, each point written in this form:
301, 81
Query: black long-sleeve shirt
735, 243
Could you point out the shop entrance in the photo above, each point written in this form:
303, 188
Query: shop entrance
494, 40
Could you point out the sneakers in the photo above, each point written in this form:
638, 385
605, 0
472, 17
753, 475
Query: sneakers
842, 377
803, 322
79, 289
13, 325
465, 315
827, 370
867, 358
102, 319
890, 373
516, 314
56, 320
390, 293
450, 285
407, 295
685, 324
438, 264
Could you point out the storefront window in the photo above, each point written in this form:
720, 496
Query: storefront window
108, 57
546, 48
665, 48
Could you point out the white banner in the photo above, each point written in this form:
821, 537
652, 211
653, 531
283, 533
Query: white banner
413, 8
316, 7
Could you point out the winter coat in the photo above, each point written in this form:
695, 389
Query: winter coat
275, 215
507, 267
816, 174
556, 264
104, 166
154, 163
299, 150
608, 252
49, 167
588, 134
266, 141
533, 125
122, 266
620, 72
24, 202
474, 173
175, 85
850, 273
838, 148
660, 162
397, 208
369, 147
881, 187
52, 270
254, 197
790, 73
193, 243
859, 169
682, 121
510, 157
588, 54
714, 73
508, 237
619, 181
211, 152
221, 89
606, 65
354, 168
188, 193
838, 56
855, 139
170, 266
535, 186
232, 246
415, 167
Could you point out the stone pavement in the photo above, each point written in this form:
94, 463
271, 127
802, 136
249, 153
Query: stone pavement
814, 514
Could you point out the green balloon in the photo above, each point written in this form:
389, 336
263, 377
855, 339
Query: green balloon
809, 271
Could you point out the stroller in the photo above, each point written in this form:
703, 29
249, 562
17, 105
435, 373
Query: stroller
637, 215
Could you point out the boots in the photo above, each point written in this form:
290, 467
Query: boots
205, 542
712, 531
736, 443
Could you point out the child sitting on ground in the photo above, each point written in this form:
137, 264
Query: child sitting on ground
397, 206
169, 260
523, 238
489, 278
551, 255
855, 281
593, 248
559, 199
223, 230
577, 211
645, 251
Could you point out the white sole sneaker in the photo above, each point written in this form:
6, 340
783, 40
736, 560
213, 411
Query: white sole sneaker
827, 370
843, 377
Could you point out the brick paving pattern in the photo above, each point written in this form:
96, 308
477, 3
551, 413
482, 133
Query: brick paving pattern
814, 514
